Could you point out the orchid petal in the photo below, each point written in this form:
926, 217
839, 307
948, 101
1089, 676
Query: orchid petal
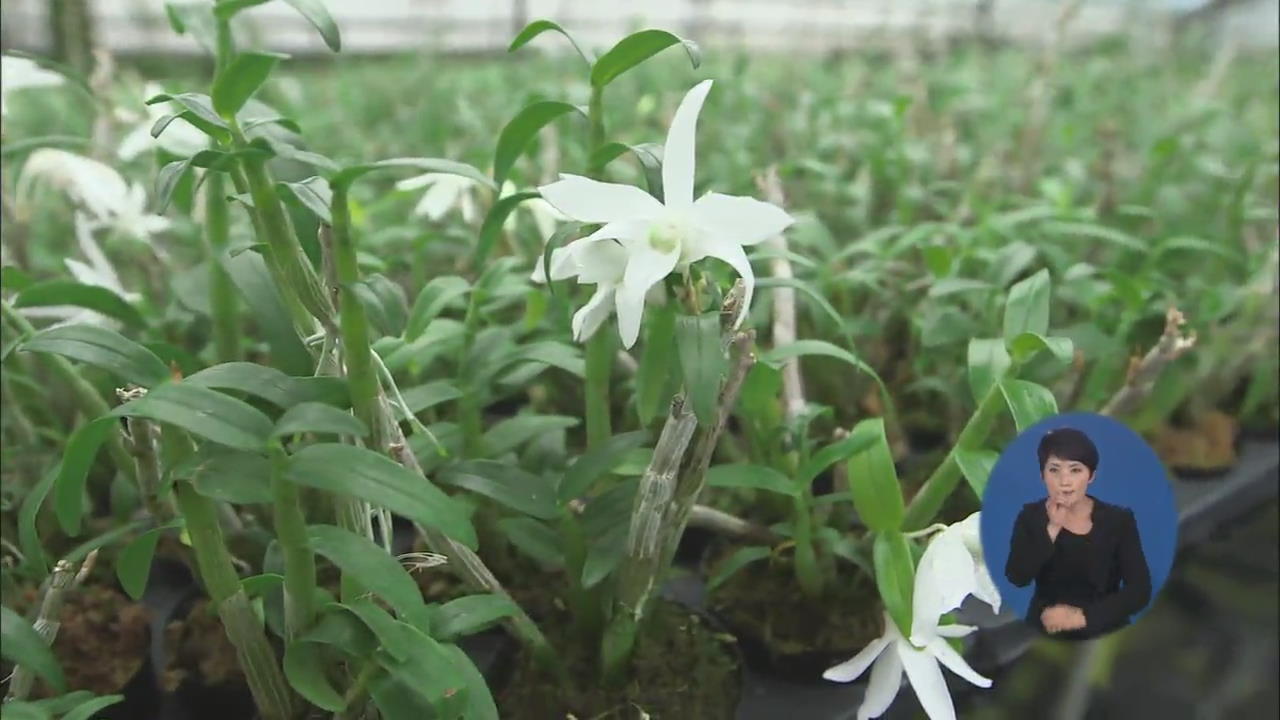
954, 631
852, 668
678, 153
927, 682
733, 254
438, 199
592, 201
955, 662
645, 267
944, 577
742, 220
883, 686
590, 316
138, 141
417, 182
600, 260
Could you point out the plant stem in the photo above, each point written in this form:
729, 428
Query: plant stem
299, 562
244, 629
356, 692
222, 292
807, 571
937, 488
599, 365
46, 624
469, 416
352, 321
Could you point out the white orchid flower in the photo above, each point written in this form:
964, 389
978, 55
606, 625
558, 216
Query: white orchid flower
98, 272
97, 188
657, 237
893, 654
445, 191
180, 137
951, 568
19, 73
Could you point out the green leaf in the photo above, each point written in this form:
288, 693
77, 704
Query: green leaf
430, 673
133, 565
22, 645
649, 155
35, 560
240, 79
167, 180
348, 175
521, 130
313, 194
832, 454
811, 295
480, 704
1119, 238
491, 228
655, 363
369, 565
195, 18
200, 106
759, 477
735, 562
1027, 309
436, 295
304, 669
313, 417
803, 348
263, 301
976, 466
62, 704
635, 49
953, 285
988, 362
92, 297
873, 481
556, 354
268, 383
470, 614
429, 395
536, 28
702, 362
316, 14
380, 480
895, 576
533, 538
210, 414
1030, 403
1025, 346
68, 490
101, 348
605, 554
227, 9
15, 279
232, 476
89, 708
587, 468
510, 434
517, 489
385, 628
20, 710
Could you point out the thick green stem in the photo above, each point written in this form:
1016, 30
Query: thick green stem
354, 326
244, 629
599, 362
928, 500
87, 398
469, 412
808, 574
143, 436
585, 603
222, 292
299, 562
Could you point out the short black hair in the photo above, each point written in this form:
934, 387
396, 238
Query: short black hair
1068, 444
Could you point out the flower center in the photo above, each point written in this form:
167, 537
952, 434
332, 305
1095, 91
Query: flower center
667, 235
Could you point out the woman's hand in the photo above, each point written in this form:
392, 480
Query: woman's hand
1061, 618
1058, 517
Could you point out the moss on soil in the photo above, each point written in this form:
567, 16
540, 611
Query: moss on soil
1208, 446
682, 668
799, 636
199, 651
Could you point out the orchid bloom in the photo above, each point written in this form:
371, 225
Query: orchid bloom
952, 568
179, 137
98, 272
96, 188
643, 239
445, 191
19, 73
893, 654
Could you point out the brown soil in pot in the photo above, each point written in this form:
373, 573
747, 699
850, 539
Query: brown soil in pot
199, 651
682, 668
789, 634
102, 642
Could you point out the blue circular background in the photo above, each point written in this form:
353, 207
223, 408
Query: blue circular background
1129, 475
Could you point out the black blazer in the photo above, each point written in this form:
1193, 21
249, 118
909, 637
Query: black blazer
1108, 572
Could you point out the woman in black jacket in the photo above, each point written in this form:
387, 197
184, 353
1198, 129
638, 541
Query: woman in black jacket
1084, 554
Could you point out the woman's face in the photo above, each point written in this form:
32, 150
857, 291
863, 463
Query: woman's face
1066, 480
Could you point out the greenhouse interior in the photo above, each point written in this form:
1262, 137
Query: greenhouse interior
673, 360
